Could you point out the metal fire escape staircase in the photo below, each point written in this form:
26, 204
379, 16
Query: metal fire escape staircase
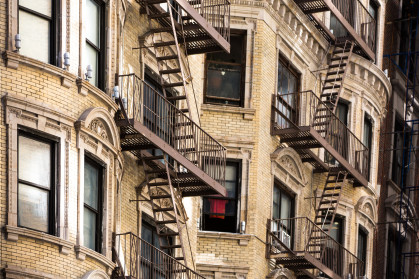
178, 157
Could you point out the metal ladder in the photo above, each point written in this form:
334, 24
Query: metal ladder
336, 73
164, 205
166, 45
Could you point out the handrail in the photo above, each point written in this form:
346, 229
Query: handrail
140, 259
300, 234
147, 106
306, 109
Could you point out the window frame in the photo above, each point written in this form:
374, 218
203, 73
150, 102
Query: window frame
369, 119
54, 32
238, 164
101, 49
99, 213
293, 108
290, 230
53, 210
207, 99
363, 231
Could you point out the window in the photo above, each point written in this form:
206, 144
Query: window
394, 255
333, 252
373, 10
367, 140
151, 262
225, 73
38, 30
92, 227
336, 27
338, 137
36, 183
407, 30
362, 246
283, 208
94, 54
221, 214
400, 154
288, 82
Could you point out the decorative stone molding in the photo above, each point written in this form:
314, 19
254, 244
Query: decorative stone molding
17, 272
368, 78
408, 211
85, 88
14, 232
281, 273
95, 274
366, 205
13, 59
222, 271
243, 239
82, 252
289, 163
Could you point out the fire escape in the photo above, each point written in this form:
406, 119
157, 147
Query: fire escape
178, 157
307, 122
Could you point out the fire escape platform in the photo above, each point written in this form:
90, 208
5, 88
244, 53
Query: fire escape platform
137, 139
198, 34
306, 137
311, 7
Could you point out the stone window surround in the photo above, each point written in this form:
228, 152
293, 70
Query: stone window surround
365, 216
249, 26
375, 133
97, 135
35, 116
288, 169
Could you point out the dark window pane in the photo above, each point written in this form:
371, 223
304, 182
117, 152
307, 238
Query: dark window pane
33, 208
235, 56
89, 229
91, 185
223, 81
35, 161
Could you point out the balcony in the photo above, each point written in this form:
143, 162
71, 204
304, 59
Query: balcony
301, 246
138, 259
304, 122
202, 26
148, 121
352, 16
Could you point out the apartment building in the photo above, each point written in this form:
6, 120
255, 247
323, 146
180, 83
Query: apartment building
190, 139
396, 249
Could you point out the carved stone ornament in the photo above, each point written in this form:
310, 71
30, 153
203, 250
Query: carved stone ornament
95, 274
281, 273
98, 128
289, 162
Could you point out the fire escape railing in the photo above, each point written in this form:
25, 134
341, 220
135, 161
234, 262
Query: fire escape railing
301, 235
216, 13
301, 109
139, 259
359, 18
144, 104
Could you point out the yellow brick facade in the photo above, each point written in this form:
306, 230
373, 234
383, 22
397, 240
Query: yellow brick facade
50, 100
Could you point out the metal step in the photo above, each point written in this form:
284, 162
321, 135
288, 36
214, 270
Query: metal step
331, 86
160, 15
169, 57
162, 44
337, 65
339, 58
333, 80
152, 158
327, 202
155, 184
169, 234
170, 71
166, 196
335, 73
329, 94
175, 98
172, 221
170, 246
165, 209
174, 84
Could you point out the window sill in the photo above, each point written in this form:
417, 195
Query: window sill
13, 234
243, 239
248, 113
13, 59
82, 251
